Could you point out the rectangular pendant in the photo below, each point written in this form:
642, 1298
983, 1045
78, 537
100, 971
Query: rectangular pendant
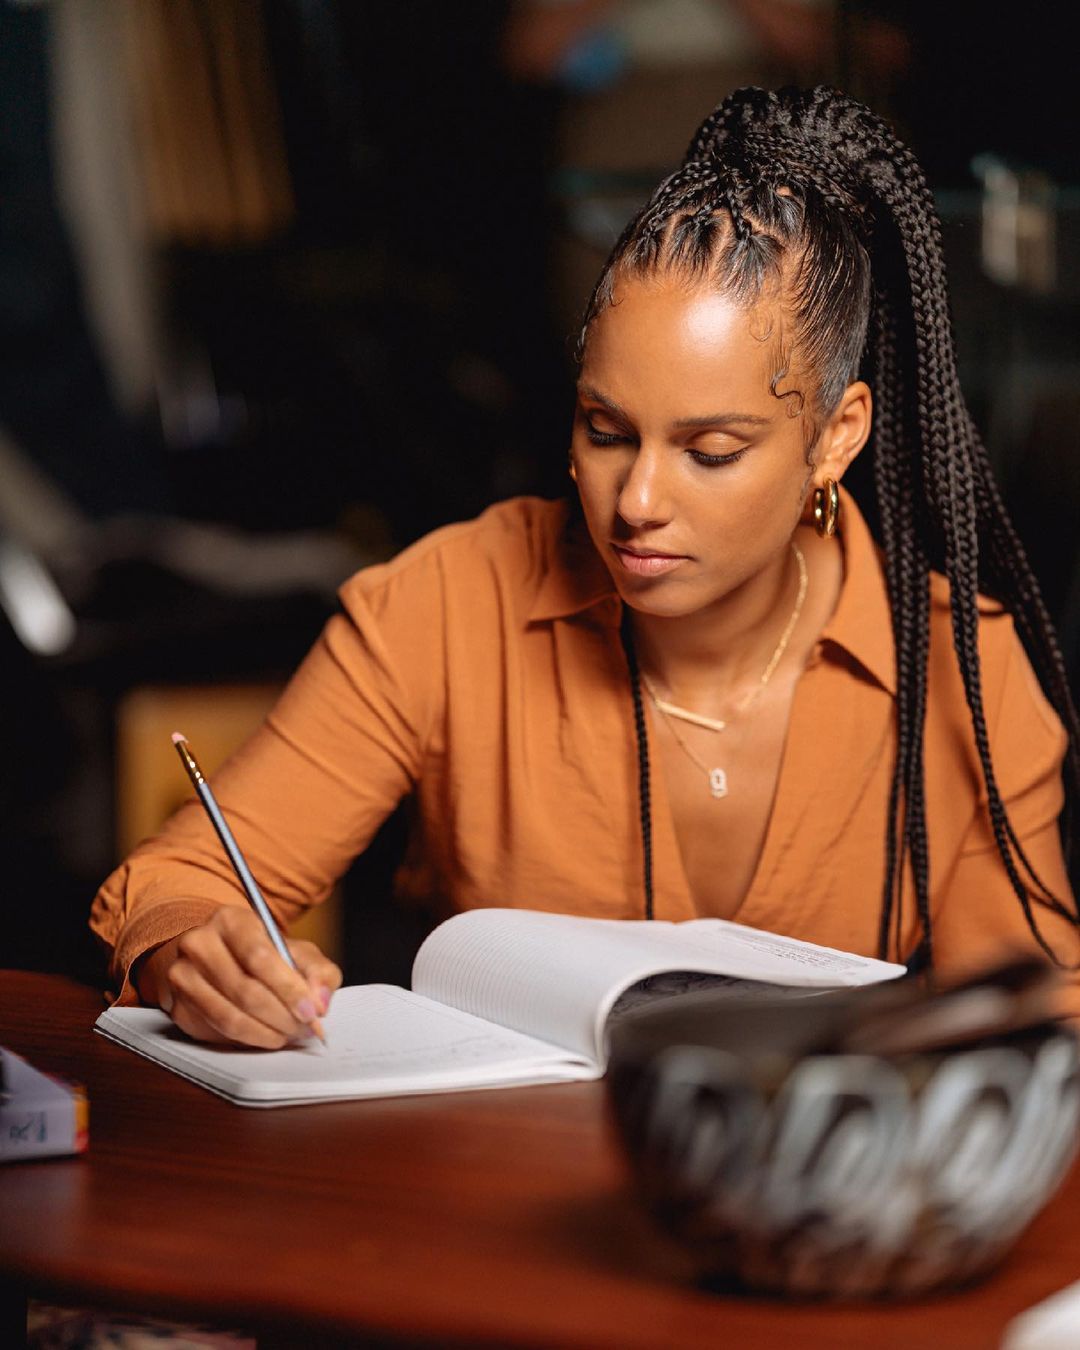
718, 782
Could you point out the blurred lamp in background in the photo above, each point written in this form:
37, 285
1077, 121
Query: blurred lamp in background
31, 601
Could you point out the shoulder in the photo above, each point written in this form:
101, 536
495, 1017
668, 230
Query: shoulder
508, 547
1010, 688
998, 640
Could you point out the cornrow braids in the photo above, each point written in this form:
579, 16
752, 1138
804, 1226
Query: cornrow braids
812, 192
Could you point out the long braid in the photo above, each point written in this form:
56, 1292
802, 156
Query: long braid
907, 571
642, 741
895, 502
930, 427
813, 189
1009, 576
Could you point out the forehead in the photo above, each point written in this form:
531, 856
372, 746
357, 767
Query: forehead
662, 339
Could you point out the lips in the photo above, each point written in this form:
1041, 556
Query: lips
646, 563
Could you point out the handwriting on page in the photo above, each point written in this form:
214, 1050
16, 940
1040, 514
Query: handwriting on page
801, 956
480, 1049
714, 933
379, 1031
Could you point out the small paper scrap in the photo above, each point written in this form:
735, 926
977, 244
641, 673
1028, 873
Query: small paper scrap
40, 1116
1053, 1324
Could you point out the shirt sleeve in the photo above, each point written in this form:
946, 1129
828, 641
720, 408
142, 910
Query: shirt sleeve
979, 917
307, 792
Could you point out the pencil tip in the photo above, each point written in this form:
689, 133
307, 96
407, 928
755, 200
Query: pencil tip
177, 737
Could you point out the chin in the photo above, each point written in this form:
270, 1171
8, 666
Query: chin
660, 602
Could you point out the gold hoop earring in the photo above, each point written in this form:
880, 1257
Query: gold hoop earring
826, 508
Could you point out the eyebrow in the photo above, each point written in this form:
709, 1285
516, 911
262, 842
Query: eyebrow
724, 418
684, 423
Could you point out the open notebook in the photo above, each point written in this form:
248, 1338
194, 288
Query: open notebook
499, 997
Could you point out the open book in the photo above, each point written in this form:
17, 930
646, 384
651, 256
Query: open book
499, 997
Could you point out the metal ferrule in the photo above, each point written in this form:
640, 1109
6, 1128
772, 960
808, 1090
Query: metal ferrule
190, 763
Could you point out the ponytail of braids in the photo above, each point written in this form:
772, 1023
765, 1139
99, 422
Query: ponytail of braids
812, 190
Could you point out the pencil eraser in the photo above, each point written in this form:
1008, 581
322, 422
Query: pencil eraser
177, 737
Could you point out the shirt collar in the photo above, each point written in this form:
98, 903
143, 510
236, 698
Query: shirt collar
575, 579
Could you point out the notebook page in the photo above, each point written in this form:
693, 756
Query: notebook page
753, 954
549, 975
557, 976
382, 1041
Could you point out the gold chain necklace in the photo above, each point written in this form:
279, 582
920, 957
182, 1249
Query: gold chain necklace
718, 784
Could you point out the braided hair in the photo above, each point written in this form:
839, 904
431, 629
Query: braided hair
810, 191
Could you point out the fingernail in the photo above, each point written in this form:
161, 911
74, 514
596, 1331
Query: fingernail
324, 998
305, 1010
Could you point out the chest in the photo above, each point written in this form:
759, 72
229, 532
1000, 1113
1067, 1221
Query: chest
531, 797
721, 789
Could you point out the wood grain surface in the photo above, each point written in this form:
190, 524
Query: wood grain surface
498, 1218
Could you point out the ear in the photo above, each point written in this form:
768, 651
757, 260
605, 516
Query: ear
844, 434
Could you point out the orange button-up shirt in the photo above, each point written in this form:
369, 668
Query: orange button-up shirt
481, 671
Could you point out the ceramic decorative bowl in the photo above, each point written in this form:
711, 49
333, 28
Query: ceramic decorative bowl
879, 1142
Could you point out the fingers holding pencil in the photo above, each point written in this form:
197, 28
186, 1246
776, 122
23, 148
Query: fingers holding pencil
223, 981
268, 974
322, 975
236, 958
234, 977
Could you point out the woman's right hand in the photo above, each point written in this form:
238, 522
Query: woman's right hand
223, 981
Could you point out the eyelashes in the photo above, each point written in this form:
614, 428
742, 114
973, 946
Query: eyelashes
715, 461
698, 456
601, 437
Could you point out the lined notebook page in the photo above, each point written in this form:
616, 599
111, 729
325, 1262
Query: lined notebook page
542, 974
381, 1041
558, 975
757, 955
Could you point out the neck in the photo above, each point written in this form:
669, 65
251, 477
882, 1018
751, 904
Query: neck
702, 659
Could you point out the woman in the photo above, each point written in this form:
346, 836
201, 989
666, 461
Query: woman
705, 692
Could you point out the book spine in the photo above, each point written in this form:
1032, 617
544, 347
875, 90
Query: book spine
30, 1129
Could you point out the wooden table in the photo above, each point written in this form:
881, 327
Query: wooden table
487, 1218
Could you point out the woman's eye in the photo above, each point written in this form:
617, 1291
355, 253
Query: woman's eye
715, 461
601, 437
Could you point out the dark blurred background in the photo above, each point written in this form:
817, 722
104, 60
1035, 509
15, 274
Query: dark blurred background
286, 283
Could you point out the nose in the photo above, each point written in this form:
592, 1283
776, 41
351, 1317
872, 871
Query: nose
643, 499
